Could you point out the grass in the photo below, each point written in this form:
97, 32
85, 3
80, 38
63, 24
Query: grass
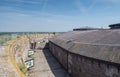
31, 71
4, 38
31, 56
22, 68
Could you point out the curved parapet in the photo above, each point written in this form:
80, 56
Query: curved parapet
16, 50
91, 53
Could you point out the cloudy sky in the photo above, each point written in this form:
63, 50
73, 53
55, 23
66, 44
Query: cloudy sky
57, 15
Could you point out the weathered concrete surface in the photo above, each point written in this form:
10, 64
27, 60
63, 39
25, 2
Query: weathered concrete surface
92, 53
6, 68
47, 66
82, 66
11, 55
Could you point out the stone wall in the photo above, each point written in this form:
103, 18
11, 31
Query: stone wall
20, 48
83, 66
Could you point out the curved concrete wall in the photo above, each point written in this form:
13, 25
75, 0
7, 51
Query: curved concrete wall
17, 51
85, 65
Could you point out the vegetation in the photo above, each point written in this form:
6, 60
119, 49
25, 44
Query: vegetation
31, 56
4, 38
22, 67
54, 33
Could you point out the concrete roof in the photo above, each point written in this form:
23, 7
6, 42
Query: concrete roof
98, 44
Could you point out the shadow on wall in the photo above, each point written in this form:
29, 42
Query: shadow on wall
55, 66
83, 66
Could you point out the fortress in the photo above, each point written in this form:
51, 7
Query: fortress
83, 52
89, 52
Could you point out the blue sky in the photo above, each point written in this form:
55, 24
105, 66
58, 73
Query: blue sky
57, 15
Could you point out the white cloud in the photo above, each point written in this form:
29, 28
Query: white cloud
44, 4
83, 7
16, 7
27, 1
109, 1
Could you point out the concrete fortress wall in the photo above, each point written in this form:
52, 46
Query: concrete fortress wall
16, 51
87, 59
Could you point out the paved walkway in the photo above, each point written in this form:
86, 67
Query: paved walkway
46, 65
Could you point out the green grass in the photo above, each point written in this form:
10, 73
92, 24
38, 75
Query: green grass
22, 68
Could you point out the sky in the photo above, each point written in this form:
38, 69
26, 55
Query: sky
57, 15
